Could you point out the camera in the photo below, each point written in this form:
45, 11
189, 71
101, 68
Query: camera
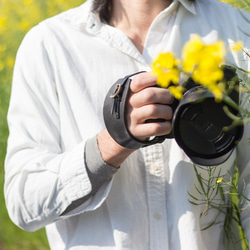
200, 125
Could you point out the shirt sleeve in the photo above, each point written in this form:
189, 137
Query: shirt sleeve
98, 171
41, 180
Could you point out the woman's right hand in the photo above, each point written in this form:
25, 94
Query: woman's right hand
147, 102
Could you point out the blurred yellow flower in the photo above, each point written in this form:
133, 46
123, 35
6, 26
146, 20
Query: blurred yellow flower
165, 67
202, 62
3, 47
2, 22
219, 180
1, 65
27, 2
24, 25
176, 91
191, 54
217, 91
16, 18
237, 46
10, 61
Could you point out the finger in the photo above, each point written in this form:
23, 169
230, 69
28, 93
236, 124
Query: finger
146, 130
151, 95
141, 81
150, 112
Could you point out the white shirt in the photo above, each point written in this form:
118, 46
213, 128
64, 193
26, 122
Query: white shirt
63, 71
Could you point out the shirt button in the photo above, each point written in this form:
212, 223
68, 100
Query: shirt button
154, 167
157, 216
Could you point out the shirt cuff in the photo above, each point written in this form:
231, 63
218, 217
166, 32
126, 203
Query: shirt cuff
99, 173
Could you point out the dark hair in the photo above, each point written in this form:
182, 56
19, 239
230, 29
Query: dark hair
103, 7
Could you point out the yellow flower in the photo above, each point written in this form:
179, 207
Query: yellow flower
203, 62
191, 53
24, 24
3, 21
3, 47
1, 65
10, 61
176, 91
196, 54
217, 91
27, 2
219, 180
165, 67
199, 60
237, 46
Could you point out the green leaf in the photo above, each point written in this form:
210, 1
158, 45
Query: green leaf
210, 225
196, 204
193, 197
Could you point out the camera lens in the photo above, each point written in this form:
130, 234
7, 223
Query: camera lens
199, 128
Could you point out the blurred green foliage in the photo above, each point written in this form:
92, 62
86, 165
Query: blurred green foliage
16, 18
244, 4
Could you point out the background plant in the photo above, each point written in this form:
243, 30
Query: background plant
215, 191
16, 18
212, 187
244, 4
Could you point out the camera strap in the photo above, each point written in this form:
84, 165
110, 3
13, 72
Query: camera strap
114, 111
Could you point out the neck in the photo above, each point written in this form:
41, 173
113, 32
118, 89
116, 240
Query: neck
134, 17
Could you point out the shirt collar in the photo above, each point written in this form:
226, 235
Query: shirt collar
189, 5
94, 23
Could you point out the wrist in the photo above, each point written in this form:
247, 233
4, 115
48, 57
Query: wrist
112, 153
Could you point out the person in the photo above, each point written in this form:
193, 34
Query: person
63, 169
